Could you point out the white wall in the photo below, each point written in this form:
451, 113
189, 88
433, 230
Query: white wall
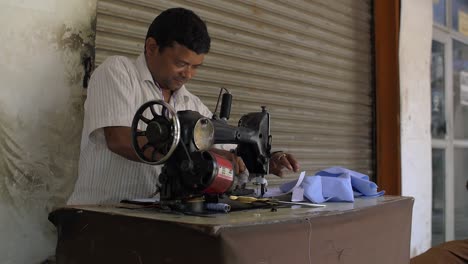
415, 52
40, 117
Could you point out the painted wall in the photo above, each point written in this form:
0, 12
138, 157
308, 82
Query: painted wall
415, 54
41, 73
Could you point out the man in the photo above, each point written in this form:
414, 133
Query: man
109, 169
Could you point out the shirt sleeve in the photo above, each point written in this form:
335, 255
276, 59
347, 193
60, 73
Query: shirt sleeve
110, 96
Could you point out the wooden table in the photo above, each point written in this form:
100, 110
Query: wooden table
375, 230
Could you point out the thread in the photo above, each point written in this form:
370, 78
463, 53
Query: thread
310, 239
220, 207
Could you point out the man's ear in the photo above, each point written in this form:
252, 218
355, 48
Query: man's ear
151, 46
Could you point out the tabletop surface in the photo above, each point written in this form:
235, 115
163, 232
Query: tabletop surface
237, 218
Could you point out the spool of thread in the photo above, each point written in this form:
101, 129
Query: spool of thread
220, 207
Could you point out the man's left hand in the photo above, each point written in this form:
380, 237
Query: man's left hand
281, 160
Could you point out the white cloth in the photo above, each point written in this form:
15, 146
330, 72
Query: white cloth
117, 89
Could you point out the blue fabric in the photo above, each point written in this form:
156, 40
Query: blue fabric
335, 184
313, 189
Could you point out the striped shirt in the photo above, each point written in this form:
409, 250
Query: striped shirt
117, 89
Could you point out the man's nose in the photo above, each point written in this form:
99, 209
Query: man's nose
188, 73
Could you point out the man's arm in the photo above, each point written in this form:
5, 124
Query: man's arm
239, 166
119, 141
110, 105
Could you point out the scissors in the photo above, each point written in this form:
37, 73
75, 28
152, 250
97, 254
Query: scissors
250, 199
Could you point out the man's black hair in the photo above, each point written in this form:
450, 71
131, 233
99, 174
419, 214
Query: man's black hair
182, 26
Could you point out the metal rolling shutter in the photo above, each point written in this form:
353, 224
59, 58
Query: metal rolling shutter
309, 62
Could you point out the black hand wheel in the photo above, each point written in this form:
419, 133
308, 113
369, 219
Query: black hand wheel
161, 136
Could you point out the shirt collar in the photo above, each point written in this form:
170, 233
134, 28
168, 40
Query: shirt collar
142, 68
180, 94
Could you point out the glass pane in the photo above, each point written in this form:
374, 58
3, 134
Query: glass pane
439, 11
461, 194
438, 196
437, 90
460, 16
460, 90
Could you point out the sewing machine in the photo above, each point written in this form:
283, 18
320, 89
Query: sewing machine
183, 141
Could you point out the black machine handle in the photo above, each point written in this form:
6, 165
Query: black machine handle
225, 111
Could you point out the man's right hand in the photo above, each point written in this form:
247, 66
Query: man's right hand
239, 165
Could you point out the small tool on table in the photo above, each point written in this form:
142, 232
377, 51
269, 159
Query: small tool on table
249, 199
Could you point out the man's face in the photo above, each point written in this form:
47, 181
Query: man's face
172, 67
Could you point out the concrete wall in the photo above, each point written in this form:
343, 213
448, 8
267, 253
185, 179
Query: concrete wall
415, 54
43, 42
